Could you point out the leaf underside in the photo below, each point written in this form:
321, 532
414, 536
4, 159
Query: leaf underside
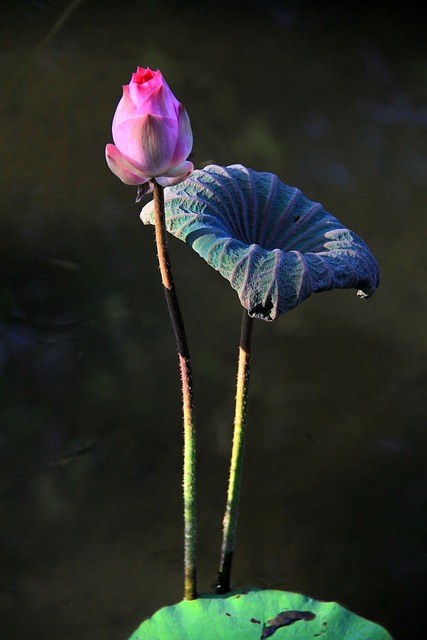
271, 243
254, 614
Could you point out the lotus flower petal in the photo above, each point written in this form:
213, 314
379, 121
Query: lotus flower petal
274, 245
123, 167
184, 141
149, 141
177, 174
151, 132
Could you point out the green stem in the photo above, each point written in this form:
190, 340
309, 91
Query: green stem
189, 478
236, 464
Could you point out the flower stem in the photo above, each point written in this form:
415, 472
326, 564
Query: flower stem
236, 463
189, 478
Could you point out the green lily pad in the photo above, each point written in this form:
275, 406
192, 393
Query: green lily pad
254, 614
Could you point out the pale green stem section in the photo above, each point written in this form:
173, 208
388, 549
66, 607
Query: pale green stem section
236, 464
189, 476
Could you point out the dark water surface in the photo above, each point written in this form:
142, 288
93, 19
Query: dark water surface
335, 488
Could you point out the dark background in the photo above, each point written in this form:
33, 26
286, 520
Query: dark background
333, 98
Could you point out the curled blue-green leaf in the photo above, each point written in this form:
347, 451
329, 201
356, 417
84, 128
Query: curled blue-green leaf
273, 245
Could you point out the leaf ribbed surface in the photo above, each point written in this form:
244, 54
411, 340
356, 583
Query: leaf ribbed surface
256, 614
273, 245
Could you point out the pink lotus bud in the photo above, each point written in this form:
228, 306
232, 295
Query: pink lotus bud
151, 132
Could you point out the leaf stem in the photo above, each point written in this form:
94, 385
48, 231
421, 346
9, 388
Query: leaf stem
189, 477
236, 463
